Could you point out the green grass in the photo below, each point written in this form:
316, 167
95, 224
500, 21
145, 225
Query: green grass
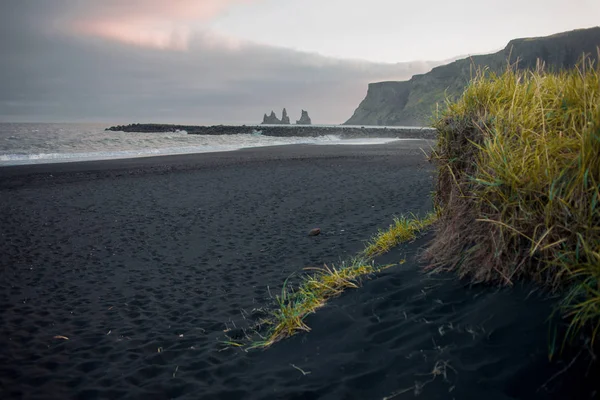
403, 229
293, 305
518, 182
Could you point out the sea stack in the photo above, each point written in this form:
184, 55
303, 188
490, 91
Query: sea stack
304, 119
271, 119
284, 117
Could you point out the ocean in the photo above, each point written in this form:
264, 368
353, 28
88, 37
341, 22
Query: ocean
39, 143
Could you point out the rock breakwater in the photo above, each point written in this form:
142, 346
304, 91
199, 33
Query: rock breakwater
347, 132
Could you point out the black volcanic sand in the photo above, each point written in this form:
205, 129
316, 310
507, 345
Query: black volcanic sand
147, 265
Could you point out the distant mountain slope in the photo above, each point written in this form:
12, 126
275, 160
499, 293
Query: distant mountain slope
411, 103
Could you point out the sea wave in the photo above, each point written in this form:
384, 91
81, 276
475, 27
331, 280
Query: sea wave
42, 158
22, 144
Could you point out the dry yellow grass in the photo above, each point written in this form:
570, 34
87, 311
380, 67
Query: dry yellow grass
403, 229
518, 182
294, 305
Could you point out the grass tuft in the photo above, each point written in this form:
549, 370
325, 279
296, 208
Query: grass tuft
314, 289
294, 305
403, 229
518, 160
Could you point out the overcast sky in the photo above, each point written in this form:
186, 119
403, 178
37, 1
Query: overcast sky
230, 61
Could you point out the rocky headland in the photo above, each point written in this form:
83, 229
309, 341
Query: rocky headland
413, 102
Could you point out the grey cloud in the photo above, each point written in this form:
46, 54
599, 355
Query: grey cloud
53, 77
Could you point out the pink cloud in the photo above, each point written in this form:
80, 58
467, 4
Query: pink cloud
160, 24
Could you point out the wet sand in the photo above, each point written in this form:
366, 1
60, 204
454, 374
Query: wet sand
122, 278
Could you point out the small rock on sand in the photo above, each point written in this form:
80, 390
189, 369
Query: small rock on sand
314, 232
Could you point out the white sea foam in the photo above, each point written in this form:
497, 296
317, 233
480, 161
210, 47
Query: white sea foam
51, 143
365, 141
43, 158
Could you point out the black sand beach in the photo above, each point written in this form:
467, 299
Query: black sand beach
121, 279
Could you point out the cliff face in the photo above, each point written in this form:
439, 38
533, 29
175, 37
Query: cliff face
413, 102
382, 103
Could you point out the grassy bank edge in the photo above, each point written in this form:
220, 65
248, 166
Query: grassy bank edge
518, 160
319, 285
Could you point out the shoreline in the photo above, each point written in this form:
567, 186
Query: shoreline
10, 160
180, 162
